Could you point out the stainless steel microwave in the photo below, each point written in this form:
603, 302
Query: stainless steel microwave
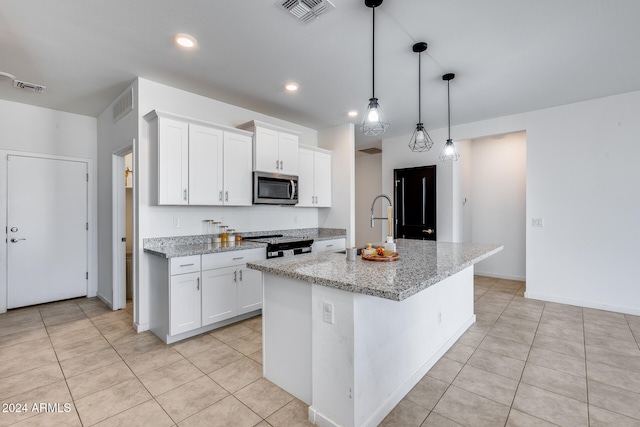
275, 189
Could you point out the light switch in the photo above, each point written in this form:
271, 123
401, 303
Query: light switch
537, 222
176, 222
327, 312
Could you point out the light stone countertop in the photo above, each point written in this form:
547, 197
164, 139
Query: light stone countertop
421, 264
178, 250
177, 246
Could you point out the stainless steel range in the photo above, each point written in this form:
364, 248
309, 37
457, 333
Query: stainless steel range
279, 245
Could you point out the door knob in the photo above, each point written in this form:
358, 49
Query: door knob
428, 231
14, 240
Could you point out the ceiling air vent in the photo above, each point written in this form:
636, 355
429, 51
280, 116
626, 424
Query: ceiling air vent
372, 150
306, 10
28, 86
123, 105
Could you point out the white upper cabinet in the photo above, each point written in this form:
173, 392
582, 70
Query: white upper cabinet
200, 163
314, 180
173, 162
237, 169
275, 149
205, 165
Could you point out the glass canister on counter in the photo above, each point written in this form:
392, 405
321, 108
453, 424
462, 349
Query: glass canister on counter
224, 235
231, 236
214, 230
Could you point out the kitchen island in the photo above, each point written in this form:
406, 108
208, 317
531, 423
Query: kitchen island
351, 338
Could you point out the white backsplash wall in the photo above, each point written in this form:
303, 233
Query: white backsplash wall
245, 218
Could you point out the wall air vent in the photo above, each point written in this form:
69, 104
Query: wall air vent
123, 105
305, 10
28, 86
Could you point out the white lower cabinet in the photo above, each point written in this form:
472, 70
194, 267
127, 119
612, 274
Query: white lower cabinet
219, 300
198, 293
249, 290
185, 303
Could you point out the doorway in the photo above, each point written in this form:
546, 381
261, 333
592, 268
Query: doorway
122, 228
47, 229
415, 203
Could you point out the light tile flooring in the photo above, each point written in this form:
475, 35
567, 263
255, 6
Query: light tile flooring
523, 363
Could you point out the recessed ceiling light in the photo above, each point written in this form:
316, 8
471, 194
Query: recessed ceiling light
352, 113
185, 40
291, 86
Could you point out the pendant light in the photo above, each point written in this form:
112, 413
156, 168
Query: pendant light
449, 152
374, 121
420, 140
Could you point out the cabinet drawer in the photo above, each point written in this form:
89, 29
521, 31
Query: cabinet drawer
328, 245
184, 264
225, 259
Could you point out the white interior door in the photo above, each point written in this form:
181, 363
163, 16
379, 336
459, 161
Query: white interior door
46, 230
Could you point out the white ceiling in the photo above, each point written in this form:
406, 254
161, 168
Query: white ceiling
509, 56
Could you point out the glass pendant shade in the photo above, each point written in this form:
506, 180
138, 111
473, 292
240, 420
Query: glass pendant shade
374, 122
449, 153
420, 140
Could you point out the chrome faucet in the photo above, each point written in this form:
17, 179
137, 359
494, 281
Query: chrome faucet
373, 203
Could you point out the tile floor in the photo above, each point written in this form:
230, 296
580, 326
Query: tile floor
523, 363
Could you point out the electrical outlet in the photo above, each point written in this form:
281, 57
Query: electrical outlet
327, 312
537, 222
176, 222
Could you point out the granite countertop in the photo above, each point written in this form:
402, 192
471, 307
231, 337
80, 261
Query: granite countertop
421, 264
172, 247
178, 250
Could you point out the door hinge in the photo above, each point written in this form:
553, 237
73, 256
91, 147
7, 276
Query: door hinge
87, 275
87, 227
87, 177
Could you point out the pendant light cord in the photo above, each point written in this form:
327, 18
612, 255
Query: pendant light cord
449, 107
373, 55
419, 90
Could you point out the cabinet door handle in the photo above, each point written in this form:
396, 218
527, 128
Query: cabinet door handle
238, 258
198, 283
328, 246
281, 165
235, 276
277, 163
241, 275
186, 265
220, 196
226, 196
184, 194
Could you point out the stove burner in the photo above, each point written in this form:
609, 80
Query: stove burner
279, 245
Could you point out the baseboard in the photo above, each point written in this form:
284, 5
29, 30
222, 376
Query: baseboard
395, 398
500, 276
140, 327
105, 300
587, 304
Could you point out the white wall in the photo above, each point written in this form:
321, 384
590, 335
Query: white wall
112, 138
341, 141
582, 179
368, 186
496, 202
40, 130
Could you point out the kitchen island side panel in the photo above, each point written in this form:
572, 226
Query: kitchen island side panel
378, 349
286, 334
